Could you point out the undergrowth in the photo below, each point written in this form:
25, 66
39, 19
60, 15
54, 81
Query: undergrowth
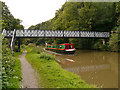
11, 68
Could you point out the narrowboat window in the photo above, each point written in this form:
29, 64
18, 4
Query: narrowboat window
60, 46
66, 46
70, 46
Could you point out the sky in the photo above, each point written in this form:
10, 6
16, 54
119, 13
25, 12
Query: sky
32, 12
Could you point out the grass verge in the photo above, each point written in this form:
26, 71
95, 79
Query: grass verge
15, 80
50, 72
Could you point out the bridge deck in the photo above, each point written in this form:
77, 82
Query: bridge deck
56, 33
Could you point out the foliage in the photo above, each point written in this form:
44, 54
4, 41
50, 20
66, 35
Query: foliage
15, 80
60, 40
115, 41
90, 16
31, 45
8, 20
38, 49
40, 41
47, 56
51, 74
11, 68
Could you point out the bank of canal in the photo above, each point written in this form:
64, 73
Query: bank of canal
95, 67
51, 75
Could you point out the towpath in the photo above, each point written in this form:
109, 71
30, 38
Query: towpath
28, 74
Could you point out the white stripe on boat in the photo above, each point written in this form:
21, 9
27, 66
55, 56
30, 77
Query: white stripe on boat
70, 50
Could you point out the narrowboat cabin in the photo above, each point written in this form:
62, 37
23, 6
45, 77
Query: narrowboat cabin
61, 48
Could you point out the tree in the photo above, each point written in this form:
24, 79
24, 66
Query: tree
90, 16
9, 22
115, 41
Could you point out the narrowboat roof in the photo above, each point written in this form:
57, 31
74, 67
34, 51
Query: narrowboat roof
59, 44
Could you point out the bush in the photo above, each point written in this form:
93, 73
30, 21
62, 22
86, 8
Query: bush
23, 46
16, 49
47, 56
115, 40
38, 49
11, 72
31, 45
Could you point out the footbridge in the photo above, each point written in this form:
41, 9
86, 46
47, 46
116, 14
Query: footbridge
51, 33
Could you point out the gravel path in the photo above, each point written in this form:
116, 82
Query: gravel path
28, 74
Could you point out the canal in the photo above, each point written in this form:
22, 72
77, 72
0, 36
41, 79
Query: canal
95, 67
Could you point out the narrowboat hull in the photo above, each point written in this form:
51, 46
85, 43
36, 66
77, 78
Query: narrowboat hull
69, 52
65, 48
62, 51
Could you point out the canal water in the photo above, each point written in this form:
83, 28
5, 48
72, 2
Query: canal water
95, 67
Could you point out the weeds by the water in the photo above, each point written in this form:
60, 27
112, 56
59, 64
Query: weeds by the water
47, 56
36, 49
51, 73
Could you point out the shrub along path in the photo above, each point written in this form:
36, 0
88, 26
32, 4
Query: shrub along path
28, 74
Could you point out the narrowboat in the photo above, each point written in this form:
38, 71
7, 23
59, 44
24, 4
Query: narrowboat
61, 48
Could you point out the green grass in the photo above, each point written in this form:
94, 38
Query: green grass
51, 74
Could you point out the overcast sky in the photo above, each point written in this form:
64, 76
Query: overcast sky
32, 12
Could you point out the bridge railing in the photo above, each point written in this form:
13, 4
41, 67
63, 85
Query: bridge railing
57, 33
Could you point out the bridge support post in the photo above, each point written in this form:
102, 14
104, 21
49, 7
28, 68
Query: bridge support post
103, 41
13, 41
18, 44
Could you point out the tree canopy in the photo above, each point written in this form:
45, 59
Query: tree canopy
90, 16
8, 20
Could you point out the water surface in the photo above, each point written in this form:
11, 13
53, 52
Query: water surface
95, 67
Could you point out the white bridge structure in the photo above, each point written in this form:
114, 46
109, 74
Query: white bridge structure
52, 33
55, 33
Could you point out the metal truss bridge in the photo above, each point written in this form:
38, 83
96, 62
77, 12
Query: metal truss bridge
51, 33
55, 33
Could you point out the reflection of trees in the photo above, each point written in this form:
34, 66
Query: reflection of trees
87, 58
113, 60
89, 68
